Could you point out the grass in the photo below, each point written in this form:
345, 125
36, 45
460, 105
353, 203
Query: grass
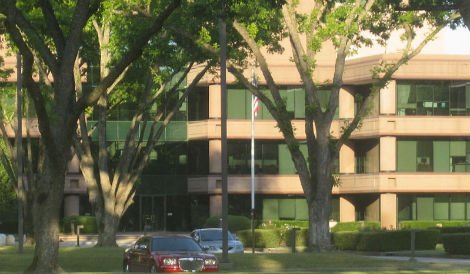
108, 260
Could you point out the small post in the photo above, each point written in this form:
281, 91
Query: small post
293, 235
412, 244
78, 234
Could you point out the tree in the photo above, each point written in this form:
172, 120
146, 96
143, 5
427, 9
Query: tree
155, 80
54, 32
344, 24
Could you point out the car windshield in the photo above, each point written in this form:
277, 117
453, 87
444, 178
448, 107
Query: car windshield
213, 235
174, 244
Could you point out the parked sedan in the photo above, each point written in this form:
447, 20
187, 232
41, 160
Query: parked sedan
211, 240
168, 254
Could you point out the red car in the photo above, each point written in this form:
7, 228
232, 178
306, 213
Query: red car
168, 254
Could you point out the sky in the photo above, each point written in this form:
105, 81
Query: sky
456, 42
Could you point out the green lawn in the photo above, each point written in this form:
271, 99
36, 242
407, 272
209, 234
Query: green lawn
100, 260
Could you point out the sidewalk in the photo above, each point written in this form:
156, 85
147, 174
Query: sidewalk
433, 260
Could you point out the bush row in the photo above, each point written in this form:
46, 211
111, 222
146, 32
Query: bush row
357, 226
235, 223
456, 243
264, 238
432, 224
88, 222
385, 240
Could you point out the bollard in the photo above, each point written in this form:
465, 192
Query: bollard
293, 236
78, 234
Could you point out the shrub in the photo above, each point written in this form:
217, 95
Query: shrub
264, 238
455, 229
356, 226
88, 222
427, 239
345, 240
431, 224
369, 241
395, 240
301, 237
235, 223
283, 223
385, 240
456, 243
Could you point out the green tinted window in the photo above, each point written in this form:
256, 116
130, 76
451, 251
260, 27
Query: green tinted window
441, 207
287, 209
270, 209
406, 156
424, 208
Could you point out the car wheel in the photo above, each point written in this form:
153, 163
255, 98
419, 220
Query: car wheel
153, 269
125, 267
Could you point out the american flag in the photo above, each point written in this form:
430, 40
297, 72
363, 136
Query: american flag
255, 102
255, 105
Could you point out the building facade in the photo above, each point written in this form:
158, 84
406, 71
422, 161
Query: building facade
409, 160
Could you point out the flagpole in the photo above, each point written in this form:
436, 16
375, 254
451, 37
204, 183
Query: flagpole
253, 110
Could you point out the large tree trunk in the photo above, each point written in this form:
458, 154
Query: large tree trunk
109, 225
46, 204
321, 204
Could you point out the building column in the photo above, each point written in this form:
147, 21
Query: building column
347, 162
214, 102
71, 205
388, 154
215, 205
215, 156
388, 102
347, 212
346, 107
388, 210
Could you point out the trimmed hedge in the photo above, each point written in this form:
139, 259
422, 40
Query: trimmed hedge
345, 240
301, 237
431, 224
456, 243
385, 240
284, 223
235, 223
455, 229
264, 238
88, 222
357, 226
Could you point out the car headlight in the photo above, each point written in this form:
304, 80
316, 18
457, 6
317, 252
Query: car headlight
210, 262
169, 261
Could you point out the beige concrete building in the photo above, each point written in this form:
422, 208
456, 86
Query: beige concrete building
410, 160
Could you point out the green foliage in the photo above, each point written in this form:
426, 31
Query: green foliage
385, 240
357, 226
369, 241
431, 224
455, 229
264, 238
456, 243
285, 228
8, 203
301, 237
235, 223
283, 223
88, 222
345, 240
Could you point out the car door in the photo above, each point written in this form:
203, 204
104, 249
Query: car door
142, 254
146, 257
133, 256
